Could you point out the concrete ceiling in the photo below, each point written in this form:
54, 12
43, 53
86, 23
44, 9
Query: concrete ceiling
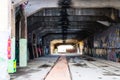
83, 22
47, 19
32, 6
35, 5
16, 3
89, 12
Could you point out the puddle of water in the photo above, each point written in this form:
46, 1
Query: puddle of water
99, 77
44, 66
117, 70
80, 65
103, 66
110, 74
90, 59
33, 70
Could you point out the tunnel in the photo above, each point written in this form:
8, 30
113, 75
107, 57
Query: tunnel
64, 40
91, 26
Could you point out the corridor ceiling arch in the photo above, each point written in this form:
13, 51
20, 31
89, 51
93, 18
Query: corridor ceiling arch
36, 5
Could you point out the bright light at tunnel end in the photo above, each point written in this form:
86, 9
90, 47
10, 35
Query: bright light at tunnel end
63, 48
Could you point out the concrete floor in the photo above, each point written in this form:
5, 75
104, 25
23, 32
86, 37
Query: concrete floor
73, 67
37, 69
60, 71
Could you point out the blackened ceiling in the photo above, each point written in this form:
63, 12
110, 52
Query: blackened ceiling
83, 22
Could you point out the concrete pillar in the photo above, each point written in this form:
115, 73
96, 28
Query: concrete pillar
12, 61
13, 32
23, 40
5, 7
78, 48
34, 44
81, 44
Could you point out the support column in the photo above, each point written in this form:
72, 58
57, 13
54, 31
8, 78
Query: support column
23, 40
34, 44
81, 44
5, 7
78, 48
12, 61
13, 32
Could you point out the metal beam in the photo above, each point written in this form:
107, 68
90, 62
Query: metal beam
68, 30
52, 36
74, 25
71, 18
68, 33
77, 11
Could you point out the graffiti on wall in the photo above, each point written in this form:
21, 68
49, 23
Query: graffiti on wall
108, 43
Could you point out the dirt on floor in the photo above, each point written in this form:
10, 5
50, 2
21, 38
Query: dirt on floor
110, 74
44, 66
90, 59
81, 65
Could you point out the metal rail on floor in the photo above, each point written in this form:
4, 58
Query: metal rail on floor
51, 68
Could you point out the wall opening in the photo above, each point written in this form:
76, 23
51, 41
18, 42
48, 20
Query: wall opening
66, 49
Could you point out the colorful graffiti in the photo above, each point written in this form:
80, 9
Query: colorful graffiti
9, 48
107, 44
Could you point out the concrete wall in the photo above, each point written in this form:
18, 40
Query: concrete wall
106, 44
5, 7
